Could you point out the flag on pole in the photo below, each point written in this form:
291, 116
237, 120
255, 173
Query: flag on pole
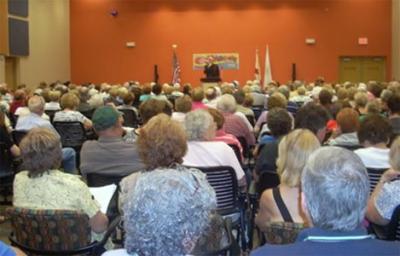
267, 72
176, 68
257, 70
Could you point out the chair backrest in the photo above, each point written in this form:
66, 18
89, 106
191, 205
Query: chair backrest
223, 180
245, 146
99, 180
394, 225
50, 230
257, 111
267, 180
72, 134
18, 136
88, 113
51, 114
374, 176
238, 154
130, 118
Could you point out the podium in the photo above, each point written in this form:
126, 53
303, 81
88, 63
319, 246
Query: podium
210, 82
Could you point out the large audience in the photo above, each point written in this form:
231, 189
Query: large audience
319, 140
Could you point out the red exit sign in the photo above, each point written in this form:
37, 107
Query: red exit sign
363, 40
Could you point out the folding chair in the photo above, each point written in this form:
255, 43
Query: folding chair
374, 176
230, 203
130, 118
73, 134
54, 232
6, 173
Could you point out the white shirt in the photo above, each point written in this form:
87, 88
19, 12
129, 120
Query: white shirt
179, 116
52, 106
69, 116
373, 157
24, 111
117, 252
212, 153
32, 120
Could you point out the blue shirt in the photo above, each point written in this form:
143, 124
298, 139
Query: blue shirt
6, 250
316, 241
267, 138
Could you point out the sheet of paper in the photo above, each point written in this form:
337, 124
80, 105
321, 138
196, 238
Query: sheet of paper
103, 195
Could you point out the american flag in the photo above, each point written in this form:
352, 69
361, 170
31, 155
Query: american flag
176, 69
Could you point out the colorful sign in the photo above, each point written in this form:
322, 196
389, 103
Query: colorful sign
224, 60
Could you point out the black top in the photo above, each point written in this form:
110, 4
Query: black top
266, 160
211, 71
5, 137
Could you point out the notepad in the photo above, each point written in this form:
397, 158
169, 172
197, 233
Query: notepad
103, 195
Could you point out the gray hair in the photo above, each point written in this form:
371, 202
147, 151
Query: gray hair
226, 103
36, 104
284, 89
336, 188
167, 212
198, 125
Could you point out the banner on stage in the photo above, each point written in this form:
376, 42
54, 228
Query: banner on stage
224, 60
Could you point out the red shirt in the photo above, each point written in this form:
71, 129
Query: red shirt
198, 105
229, 139
15, 105
236, 126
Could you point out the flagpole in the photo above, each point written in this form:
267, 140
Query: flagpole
267, 71
257, 70
176, 69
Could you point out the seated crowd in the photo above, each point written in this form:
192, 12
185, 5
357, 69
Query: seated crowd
303, 151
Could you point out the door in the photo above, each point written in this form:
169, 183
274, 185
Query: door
362, 69
350, 69
373, 69
11, 72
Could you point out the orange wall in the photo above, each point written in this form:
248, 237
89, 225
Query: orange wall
98, 51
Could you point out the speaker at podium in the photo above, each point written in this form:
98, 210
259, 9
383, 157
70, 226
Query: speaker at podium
211, 70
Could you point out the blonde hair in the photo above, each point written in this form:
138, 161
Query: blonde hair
54, 95
361, 99
69, 100
395, 154
294, 151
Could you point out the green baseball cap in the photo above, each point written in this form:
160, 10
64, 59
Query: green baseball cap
105, 117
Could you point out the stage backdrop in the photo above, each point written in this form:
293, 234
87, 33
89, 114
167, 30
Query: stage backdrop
99, 52
223, 60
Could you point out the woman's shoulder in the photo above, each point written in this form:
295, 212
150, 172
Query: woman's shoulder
267, 197
21, 175
66, 178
